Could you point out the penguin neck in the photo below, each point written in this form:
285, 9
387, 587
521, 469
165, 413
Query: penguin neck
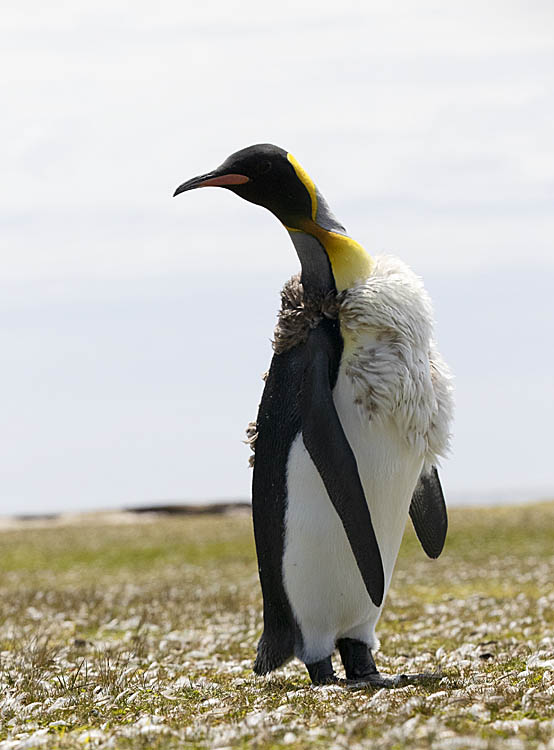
350, 263
330, 260
317, 274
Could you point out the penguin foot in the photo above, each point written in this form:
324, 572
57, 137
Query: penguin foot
379, 680
357, 659
361, 671
321, 672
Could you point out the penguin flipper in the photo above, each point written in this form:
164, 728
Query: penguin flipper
277, 424
428, 513
335, 462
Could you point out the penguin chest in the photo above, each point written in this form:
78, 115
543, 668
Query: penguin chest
389, 467
321, 577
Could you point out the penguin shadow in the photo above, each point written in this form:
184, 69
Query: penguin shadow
426, 680
429, 681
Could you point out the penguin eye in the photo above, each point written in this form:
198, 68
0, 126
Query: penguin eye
264, 166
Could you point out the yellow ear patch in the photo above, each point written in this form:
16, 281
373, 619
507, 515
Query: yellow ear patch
307, 181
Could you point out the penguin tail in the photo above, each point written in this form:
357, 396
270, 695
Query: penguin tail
273, 651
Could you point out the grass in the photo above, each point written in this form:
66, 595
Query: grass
142, 635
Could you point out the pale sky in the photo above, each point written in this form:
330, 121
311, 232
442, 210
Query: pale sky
135, 327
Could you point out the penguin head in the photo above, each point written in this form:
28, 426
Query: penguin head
268, 176
271, 177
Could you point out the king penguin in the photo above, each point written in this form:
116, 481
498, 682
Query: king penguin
354, 416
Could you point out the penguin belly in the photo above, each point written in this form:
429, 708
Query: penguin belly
322, 580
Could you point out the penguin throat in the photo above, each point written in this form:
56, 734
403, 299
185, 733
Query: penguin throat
317, 274
329, 259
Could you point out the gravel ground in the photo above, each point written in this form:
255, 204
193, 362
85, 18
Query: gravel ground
122, 634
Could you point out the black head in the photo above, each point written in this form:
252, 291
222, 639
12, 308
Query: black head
268, 176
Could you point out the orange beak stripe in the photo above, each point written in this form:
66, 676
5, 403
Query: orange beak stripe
226, 179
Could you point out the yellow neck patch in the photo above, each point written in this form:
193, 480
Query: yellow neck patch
350, 263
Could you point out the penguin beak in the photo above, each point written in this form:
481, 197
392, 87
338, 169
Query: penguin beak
212, 179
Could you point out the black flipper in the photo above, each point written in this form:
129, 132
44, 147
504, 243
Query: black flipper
334, 459
428, 513
278, 424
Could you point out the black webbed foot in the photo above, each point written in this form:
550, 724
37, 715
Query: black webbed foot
361, 671
379, 680
321, 672
357, 659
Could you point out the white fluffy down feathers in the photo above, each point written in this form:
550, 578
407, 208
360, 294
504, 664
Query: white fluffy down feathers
392, 360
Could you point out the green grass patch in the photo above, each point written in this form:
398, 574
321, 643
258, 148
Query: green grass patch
142, 635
